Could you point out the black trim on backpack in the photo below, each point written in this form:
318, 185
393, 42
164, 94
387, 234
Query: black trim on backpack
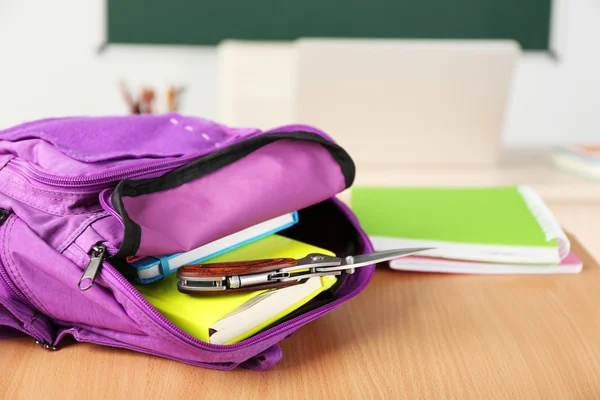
201, 167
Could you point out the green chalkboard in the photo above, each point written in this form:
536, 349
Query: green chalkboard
207, 22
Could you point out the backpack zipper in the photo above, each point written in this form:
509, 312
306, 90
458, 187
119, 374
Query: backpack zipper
38, 175
98, 254
45, 178
114, 276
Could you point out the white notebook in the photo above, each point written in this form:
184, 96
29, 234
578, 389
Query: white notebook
570, 265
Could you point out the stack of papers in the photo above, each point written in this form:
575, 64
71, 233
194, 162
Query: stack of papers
580, 160
496, 230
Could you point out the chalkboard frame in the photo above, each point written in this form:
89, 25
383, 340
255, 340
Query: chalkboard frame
554, 48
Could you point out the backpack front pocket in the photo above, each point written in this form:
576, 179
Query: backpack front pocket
46, 280
17, 313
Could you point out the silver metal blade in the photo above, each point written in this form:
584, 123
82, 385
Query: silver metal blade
374, 258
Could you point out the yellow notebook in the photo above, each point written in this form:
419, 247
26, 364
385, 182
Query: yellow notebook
230, 318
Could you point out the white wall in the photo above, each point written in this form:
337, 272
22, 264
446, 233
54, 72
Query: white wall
49, 67
560, 102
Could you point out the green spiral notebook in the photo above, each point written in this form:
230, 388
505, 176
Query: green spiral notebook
487, 224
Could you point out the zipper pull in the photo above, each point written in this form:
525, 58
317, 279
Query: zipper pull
91, 270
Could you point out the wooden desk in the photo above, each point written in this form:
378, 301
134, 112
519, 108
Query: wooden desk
406, 336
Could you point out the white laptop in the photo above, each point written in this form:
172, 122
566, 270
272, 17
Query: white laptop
407, 102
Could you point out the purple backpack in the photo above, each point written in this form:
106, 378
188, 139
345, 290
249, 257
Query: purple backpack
145, 185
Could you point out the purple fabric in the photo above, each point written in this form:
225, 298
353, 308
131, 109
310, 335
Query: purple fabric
44, 245
279, 178
265, 360
10, 326
49, 280
55, 216
20, 316
7, 332
75, 146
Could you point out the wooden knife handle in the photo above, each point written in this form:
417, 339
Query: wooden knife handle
234, 268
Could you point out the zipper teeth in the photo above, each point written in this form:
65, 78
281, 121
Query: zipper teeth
169, 326
46, 178
101, 179
196, 342
3, 272
110, 248
11, 286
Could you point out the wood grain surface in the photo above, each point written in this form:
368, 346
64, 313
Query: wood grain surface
408, 335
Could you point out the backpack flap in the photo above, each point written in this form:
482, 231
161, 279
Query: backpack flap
227, 191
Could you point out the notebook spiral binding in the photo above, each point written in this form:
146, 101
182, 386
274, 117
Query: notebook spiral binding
545, 218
